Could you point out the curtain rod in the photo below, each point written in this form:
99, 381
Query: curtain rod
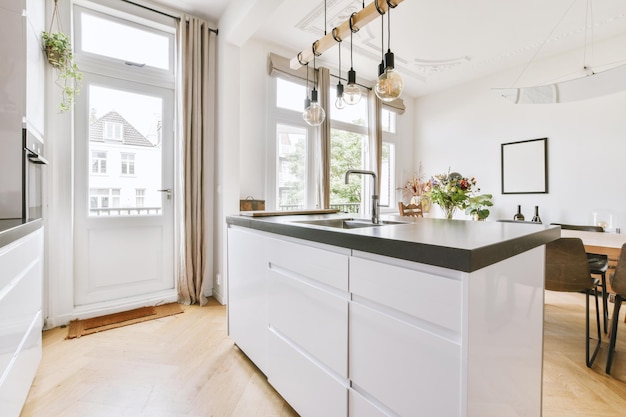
162, 13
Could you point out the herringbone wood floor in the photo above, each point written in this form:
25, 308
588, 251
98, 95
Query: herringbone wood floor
186, 366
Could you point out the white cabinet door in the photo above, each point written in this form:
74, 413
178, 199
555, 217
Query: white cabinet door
359, 406
21, 285
405, 343
409, 370
305, 385
247, 292
305, 304
308, 318
433, 298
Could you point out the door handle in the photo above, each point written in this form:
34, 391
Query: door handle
168, 191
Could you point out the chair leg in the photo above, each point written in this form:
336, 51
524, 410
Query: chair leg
587, 347
613, 339
605, 304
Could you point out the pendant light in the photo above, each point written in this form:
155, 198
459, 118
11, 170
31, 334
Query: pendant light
339, 103
389, 85
352, 92
307, 100
314, 114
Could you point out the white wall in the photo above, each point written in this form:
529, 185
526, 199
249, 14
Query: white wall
463, 128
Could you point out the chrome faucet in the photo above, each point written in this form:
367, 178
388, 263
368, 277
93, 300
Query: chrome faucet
374, 196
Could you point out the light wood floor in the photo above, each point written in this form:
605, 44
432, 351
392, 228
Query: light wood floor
186, 366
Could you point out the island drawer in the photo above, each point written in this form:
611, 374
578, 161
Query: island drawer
325, 264
431, 298
305, 384
313, 318
409, 370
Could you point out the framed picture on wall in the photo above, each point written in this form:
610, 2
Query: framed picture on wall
525, 167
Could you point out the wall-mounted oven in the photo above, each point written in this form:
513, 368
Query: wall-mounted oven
32, 184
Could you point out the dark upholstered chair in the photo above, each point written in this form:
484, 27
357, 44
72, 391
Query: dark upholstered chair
567, 270
618, 284
598, 264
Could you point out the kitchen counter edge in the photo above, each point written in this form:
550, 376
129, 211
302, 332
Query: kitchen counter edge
447, 255
13, 233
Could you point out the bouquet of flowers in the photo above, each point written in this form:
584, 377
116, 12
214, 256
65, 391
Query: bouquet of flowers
451, 191
414, 187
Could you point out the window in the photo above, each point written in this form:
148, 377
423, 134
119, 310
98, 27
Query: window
113, 131
295, 171
125, 115
347, 152
349, 147
128, 164
103, 199
150, 47
98, 162
388, 120
292, 183
292, 167
387, 176
290, 95
140, 194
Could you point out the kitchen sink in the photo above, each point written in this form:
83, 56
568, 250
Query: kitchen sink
347, 223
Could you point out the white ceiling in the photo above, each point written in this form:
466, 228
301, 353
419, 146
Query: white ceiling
437, 43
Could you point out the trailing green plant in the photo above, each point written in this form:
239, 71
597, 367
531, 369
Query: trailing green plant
477, 206
59, 52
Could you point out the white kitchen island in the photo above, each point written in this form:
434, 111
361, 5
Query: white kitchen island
431, 318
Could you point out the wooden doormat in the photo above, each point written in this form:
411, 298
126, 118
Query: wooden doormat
78, 328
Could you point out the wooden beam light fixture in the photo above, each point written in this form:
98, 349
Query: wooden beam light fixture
359, 20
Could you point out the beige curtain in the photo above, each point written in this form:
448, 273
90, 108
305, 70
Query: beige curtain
324, 178
196, 159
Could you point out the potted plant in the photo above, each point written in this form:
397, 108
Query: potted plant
59, 52
477, 206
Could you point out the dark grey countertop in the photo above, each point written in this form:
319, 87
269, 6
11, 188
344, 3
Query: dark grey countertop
14, 229
455, 244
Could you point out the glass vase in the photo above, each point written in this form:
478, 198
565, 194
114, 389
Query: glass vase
448, 211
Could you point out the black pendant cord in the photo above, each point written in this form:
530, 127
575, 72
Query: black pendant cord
314, 74
382, 37
307, 80
339, 62
351, 42
389, 29
324, 17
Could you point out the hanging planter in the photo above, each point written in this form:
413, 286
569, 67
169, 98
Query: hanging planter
59, 53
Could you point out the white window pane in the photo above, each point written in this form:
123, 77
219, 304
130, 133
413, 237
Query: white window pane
388, 121
291, 167
120, 41
346, 153
138, 151
290, 95
387, 178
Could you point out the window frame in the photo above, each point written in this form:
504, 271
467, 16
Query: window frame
99, 64
291, 117
282, 116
